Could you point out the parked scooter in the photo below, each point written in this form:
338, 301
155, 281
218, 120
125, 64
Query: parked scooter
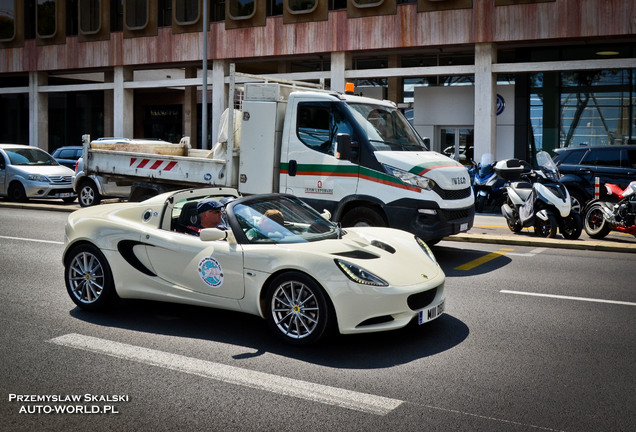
539, 200
617, 213
489, 188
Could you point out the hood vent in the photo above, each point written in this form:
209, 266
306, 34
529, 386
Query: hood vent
357, 254
383, 246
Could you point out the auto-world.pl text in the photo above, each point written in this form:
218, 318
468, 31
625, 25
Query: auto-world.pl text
68, 404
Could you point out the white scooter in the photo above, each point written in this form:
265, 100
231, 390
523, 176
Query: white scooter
537, 198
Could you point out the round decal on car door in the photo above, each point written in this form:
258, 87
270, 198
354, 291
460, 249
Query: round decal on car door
211, 272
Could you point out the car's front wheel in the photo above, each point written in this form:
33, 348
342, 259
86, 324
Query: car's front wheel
298, 310
17, 193
89, 280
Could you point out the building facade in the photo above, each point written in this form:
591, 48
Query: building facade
506, 77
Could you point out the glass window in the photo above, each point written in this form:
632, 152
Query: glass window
7, 20
186, 11
90, 13
302, 6
595, 107
136, 14
313, 126
608, 158
217, 10
367, 3
274, 7
46, 13
242, 9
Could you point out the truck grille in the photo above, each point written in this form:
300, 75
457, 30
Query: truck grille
60, 180
452, 194
451, 215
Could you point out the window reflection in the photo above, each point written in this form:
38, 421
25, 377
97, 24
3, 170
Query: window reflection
45, 15
136, 14
367, 3
300, 6
7, 20
90, 16
242, 9
186, 11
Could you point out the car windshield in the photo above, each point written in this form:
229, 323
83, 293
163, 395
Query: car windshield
29, 156
387, 128
281, 219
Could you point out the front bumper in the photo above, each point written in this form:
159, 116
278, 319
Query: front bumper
48, 190
427, 220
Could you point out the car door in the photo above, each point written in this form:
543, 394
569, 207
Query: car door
610, 166
185, 261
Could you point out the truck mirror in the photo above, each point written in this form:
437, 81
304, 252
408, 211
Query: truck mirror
345, 149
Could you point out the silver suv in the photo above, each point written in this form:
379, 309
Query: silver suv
29, 172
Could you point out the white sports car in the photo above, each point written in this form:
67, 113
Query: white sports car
298, 271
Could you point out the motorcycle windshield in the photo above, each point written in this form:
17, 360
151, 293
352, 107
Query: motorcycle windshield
548, 166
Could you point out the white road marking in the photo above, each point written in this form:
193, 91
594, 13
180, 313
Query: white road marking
532, 253
617, 302
32, 240
233, 375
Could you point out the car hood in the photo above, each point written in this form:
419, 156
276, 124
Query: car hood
390, 254
446, 172
47, 170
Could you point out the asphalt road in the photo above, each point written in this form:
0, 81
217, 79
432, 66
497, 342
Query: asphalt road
534, 338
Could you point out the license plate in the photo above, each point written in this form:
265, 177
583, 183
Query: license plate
64, 195
430, 314
463, 227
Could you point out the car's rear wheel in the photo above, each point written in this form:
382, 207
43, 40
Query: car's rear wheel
298, 310
89, 280
88, 194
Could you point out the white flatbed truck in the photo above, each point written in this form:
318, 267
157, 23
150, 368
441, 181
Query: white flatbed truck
356, 157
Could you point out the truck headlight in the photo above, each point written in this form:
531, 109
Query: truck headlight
360, 275
38, 178
410, 178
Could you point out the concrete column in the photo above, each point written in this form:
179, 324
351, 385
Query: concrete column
109, 107
485, 100
219, 96
340, 62
395, 91
123, 104
190, 126
38, 111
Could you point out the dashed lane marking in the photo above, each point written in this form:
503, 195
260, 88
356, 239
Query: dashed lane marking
233, 375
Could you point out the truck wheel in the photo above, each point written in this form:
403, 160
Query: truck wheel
16, 193
363, 216
88, 194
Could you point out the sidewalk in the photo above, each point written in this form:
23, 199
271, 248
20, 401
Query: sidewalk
488, 228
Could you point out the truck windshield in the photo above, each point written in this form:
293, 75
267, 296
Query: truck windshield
387, 128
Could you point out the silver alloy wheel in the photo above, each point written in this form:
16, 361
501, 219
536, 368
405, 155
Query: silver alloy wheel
86, 277
295, 309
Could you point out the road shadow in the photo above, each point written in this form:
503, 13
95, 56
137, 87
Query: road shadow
365, 351
454, 260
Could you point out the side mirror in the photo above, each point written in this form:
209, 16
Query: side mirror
326, 214
345, 149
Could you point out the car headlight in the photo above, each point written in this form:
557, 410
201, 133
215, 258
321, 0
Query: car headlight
360, 275
427, 250
410, 178
38, 178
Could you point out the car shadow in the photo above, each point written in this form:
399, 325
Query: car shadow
458, 262
362, 351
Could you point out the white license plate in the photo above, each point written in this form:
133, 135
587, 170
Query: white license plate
430, 314
64, 195
463, 227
